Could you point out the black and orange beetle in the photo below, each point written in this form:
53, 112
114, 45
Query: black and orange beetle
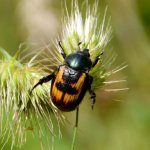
71, 80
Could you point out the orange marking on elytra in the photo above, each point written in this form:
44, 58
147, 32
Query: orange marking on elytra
79, 85
80, 82
68, 98
55, 91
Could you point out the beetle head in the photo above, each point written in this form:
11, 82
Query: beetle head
85, 52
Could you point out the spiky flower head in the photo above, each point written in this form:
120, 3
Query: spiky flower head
86, 31
22, 109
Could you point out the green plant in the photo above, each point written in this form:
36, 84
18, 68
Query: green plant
17, 79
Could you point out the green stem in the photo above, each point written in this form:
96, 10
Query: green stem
75, 130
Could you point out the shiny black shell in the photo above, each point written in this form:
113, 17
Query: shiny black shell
78, 62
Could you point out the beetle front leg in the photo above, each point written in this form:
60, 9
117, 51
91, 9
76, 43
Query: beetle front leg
43, 80
97, 59
62, 50
91, 91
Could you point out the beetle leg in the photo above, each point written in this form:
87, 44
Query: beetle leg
79, 44
62, 50
91, 91
93, 95
97, 59
43, 80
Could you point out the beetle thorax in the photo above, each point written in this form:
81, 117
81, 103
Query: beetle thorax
78, 61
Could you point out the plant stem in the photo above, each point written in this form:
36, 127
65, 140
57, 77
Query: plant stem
75, 130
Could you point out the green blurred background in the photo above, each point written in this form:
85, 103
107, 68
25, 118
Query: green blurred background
113, 124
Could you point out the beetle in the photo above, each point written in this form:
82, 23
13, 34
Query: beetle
71, 80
